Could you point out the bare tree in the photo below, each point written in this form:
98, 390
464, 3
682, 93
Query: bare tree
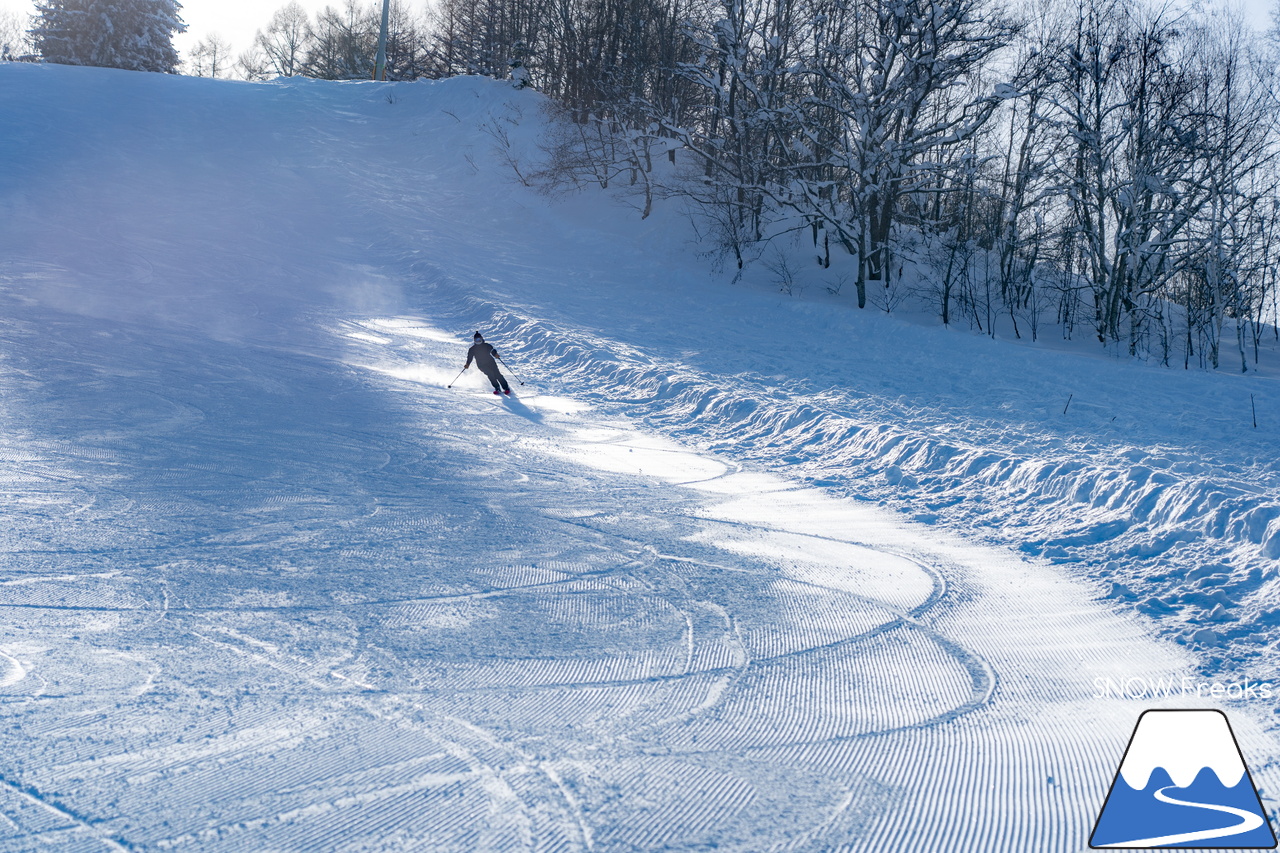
211, 57
284, 44
486, 36
15, 36
254, 65
408, 56
343, 43
1237, 148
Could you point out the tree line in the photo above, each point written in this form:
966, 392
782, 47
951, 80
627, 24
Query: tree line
1107, 167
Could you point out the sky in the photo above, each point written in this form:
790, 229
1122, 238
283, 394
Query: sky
238, 20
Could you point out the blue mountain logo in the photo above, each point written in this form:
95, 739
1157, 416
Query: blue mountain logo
1183, 783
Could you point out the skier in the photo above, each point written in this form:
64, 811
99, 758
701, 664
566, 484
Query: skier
484, 355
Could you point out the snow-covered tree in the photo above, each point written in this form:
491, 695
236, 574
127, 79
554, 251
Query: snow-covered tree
1161, 130
911, 90
136, 35
835, 113
1113, 160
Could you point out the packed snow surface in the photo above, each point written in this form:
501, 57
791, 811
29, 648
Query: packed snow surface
730, 569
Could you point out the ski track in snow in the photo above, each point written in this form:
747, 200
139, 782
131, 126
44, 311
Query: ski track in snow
767, 723
269, 584
1124, 509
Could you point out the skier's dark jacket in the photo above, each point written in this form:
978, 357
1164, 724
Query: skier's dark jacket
484, 355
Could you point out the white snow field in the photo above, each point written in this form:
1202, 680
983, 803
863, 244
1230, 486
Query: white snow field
731, 570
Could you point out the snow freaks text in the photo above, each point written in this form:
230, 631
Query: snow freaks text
1139, 687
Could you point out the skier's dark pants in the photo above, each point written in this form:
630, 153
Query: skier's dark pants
499, 381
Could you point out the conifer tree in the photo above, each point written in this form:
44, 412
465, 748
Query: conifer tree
136, 35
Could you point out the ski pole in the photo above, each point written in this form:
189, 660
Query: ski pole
508, 367
456, 378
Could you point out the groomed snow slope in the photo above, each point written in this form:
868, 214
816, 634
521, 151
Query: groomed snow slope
268, 584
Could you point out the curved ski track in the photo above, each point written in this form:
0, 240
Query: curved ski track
796, 704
